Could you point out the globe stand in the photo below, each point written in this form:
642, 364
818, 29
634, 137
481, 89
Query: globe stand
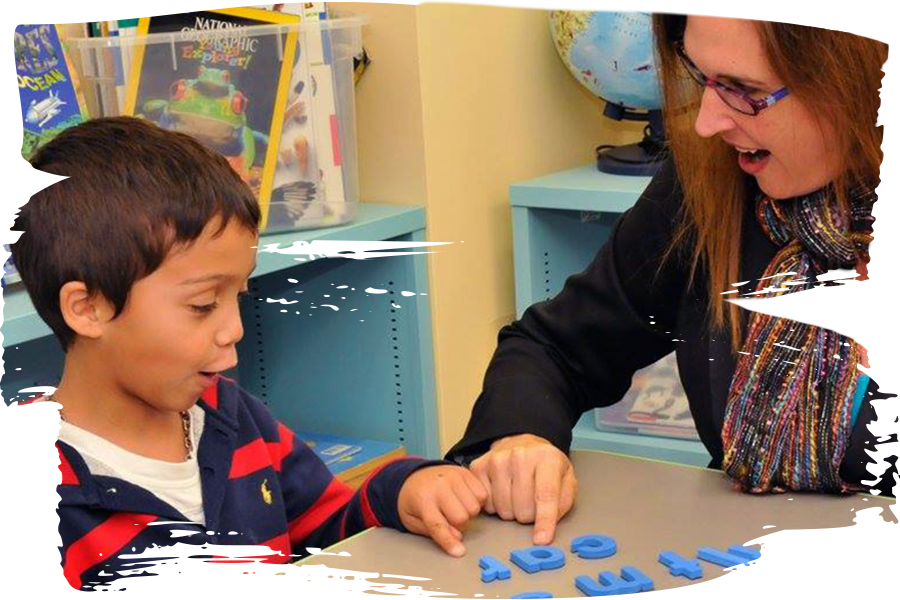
640, 159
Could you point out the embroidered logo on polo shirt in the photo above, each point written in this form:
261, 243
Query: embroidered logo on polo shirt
266, 492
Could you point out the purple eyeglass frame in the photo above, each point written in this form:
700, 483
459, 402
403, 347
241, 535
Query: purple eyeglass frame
757, 104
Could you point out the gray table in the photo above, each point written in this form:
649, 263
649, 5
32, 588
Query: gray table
647, 506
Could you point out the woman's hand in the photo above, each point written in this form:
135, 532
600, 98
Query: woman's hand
528, 479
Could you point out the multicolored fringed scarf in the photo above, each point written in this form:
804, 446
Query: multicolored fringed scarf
788, 417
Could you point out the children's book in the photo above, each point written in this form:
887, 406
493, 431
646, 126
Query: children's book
313, 192
309, 185
351, 459
655, 404
810, 579
48, 86
222, 84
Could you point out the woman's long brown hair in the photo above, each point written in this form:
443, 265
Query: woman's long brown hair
835, 74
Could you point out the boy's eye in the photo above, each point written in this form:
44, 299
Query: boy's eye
205, 308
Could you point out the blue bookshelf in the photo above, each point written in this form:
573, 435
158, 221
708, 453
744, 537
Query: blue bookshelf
365, 370
560, 221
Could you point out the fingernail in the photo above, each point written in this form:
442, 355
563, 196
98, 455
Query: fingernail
542, 538
457, 551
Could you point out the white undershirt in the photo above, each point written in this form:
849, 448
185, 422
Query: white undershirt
177, 484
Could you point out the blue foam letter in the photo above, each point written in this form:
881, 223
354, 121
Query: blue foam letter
679, 566
594, 546
492, 569
632, 581
538, 558
728, 559
633, 575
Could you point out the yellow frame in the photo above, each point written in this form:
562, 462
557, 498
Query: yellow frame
284, 81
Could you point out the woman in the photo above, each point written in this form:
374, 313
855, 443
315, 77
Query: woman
775, 156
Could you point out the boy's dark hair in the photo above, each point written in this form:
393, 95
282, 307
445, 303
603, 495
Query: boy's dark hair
133, 192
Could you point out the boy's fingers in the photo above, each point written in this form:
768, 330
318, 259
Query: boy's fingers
453, 510
476, 487
548, 481
441, 532
467, 498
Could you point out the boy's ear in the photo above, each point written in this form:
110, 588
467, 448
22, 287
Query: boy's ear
83, 312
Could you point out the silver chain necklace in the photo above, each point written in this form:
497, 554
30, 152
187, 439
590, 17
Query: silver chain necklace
50, 403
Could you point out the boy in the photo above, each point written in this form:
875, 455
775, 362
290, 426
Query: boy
137, 262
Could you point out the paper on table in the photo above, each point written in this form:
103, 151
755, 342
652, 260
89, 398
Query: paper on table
810, 579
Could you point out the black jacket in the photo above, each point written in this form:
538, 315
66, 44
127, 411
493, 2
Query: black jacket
579, 350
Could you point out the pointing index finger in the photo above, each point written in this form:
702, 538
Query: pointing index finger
547, 484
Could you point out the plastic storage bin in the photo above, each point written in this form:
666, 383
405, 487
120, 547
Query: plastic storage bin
276, 99
654, 405
8, 272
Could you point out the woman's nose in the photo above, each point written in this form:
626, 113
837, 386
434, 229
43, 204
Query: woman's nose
715, 116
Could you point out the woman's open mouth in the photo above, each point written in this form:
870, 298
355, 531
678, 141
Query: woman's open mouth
752, 160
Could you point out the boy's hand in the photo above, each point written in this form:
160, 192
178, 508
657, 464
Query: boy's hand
439, 502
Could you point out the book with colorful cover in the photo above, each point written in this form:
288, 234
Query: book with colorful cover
225, 86
350, 458
48, 86
655, 404
312, 192
309, 180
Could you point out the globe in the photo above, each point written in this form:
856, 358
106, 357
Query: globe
612, 55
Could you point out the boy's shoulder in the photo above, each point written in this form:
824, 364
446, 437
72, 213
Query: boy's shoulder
236, 408
37, 470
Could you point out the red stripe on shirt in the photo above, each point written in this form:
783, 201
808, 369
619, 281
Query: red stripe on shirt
226, 569
369, 518
335, 496
211, 396
260, 454
250, 458
65, 467
101, 543
279, 450
26, 585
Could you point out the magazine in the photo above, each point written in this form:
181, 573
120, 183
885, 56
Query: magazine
224, 86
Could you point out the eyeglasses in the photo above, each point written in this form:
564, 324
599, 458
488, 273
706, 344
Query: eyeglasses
737, 99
